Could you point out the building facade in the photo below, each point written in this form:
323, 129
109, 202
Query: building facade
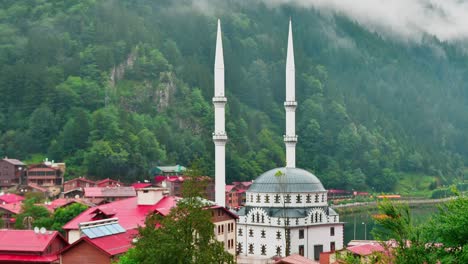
11, 172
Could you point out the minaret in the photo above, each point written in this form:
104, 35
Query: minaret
290, 139
219, 134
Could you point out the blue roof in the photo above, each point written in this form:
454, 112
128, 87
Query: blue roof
286, 180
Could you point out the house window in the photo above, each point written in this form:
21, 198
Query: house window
301, 250
250, 233
240, 232
267, 198
301, 233
262, 233
298, 198
219, 230
332, 231
222, 229
278, 251
251, 248
277, 198
332, 246
308, 200
263, 250
278, 234
287, 199
258, 198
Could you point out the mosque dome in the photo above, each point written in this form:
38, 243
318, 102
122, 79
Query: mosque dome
281, 180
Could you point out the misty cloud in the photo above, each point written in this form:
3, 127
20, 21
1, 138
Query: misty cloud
447, 20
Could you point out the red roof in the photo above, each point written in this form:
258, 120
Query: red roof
14, 161
37, 187
229, 188
130, 214
11, 198
14, 208
141, 185
26, 240
111, 245
111, 181
80, 179
120, 191
366, 249
28, 258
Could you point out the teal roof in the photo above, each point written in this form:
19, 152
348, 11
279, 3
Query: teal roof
286, 180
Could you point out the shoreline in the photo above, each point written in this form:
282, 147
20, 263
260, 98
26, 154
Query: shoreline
361, 206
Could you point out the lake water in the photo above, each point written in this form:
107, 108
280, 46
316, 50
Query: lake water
358, 225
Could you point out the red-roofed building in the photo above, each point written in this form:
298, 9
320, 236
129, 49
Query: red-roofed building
11, 172
78, 183
10, 198
242, 187
44, 175
175, 185
109, 183
104, 249
232, 197
131, 212
109, 194
8, 213
27, 246
225, 227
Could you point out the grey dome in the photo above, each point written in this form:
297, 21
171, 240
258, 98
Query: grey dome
282, 180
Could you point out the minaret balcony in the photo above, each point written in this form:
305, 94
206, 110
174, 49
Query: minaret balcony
219, 99
288, 138
290, 104
220, 136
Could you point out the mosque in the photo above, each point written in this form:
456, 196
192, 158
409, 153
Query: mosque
286, 210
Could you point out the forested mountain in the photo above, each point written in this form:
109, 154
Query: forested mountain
115, 87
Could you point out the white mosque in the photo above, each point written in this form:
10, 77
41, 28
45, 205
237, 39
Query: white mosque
286, 210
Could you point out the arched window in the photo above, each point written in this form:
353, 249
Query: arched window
251, 248
253, 218
263, 250
239, 248
278, 251
267, 198
263, 233
298, 198
277, 198
240, 232
308, 200
263, 218
278, 234
316, 198
258, 217
258, 198
287, 198
250, 233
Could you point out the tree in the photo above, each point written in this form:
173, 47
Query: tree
30, 215
63, 215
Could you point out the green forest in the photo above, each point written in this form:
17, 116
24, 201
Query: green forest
116, 87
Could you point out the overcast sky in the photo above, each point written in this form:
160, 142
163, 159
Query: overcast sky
409, 19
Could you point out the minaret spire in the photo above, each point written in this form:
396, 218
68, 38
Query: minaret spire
219, 134
290, 104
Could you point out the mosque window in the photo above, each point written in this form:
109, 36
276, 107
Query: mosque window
279, 221
251, 248
277, 198
263, 250
297, 221
278, 251
316, 198
308, 198
251, 198
323, 198
298, 198
278, 234
239, 248
258, 198
287, 198
263, 233
258, 217
240, 232
263, 218
250, 233
253, 218
267, 198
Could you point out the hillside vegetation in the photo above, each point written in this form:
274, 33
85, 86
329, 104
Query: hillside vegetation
113, 88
